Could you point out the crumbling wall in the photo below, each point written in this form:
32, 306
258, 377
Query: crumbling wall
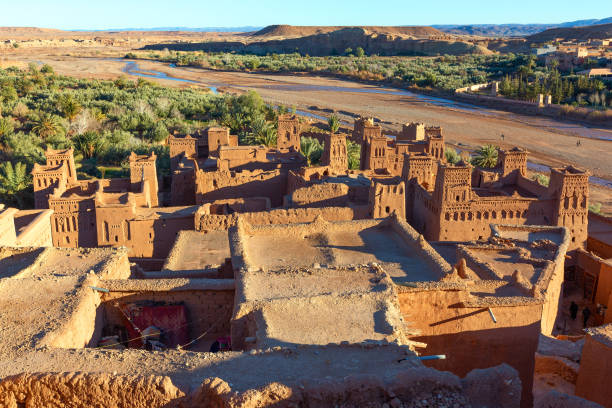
321, 195
209, 311
596, 367
58, 390
468, 336
416, 387
211, 222
223, 185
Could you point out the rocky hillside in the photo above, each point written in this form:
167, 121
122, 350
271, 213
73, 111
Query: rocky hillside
336, 42
514, 30
288, 31
573, 33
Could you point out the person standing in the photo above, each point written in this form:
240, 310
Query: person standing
586, 313
573, 310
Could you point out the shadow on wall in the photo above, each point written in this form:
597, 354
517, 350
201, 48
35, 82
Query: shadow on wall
273, 188
468, 350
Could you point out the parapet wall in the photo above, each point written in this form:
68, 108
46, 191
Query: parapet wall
211, 222
78, 389
467, 334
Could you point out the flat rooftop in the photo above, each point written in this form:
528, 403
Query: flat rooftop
195, 251
45, 288
339, 244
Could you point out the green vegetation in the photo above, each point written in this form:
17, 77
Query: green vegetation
334, 123
486, 156
451, 155
353, 151
312, 149
14, 183
595, 208
542, 179
444, 72
104, 121
521, 77
529, 80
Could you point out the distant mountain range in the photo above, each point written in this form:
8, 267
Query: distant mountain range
485, 30
514, 30
243, 29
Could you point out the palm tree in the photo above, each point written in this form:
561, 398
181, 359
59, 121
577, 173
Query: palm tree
311, 149
14, 180
486, 156
68, 106
353, 151
334, 123
47, 125
6, 127
89, 144
267, 137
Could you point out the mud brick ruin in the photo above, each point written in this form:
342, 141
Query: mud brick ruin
267, 282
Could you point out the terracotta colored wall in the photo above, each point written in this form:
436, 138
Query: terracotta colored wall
8, 236
595, 372
37, 233
154, 238
321, 195
469, 337
208, 310
213, 186
599, 247
211, 222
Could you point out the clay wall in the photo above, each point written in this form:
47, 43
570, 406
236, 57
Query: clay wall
182, 189
73, 223
142, 168
595, 372
321, 195
596, 243
209, 222
219, 136
288, 133
241, 155
46, 181
87, 390
600, 247
208, 310
37, 231
386, 198
222, 185
154, 237
335, 153
63, 157
8, 236
181, 147
468, 336
601, 270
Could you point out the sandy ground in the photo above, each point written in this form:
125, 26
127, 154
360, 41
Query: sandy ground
549, 142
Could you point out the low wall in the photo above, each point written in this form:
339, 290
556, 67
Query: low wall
468, 336
209, 303
211, 222
86, 390
596, 367
38, 231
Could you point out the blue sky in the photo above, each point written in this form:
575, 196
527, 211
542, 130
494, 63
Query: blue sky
104, 14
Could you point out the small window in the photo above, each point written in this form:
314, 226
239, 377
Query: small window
387, 209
